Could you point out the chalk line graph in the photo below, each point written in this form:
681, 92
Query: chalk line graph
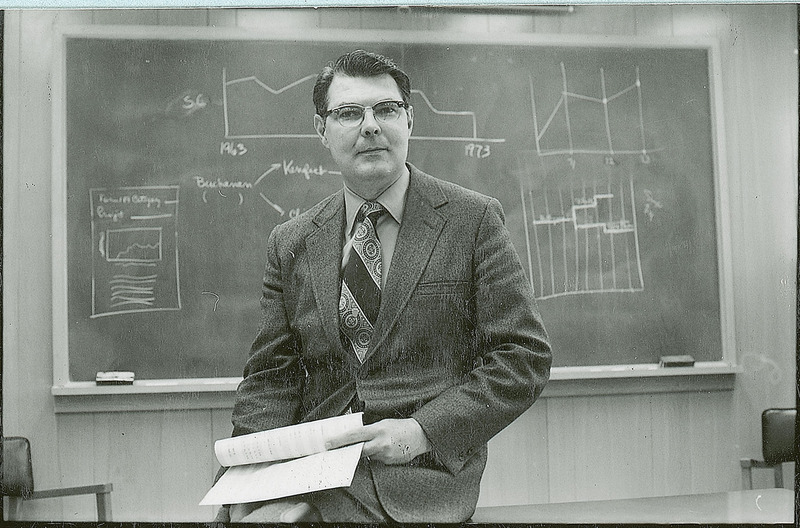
227, 104
226, 84
562, 108
140, 245
459, 113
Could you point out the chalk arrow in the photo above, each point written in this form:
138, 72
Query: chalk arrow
273, 205
275, 166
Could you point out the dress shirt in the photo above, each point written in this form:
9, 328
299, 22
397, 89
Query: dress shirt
393, 200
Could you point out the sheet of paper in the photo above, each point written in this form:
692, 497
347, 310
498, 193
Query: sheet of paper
292, 441
269, 480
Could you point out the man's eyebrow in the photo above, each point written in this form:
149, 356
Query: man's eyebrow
366, 105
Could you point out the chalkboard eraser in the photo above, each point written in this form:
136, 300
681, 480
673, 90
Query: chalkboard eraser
114, 378
676, 361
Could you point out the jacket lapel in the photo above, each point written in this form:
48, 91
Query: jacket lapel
324, 246
420, 230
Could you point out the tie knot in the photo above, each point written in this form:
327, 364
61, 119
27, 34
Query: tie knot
371, 210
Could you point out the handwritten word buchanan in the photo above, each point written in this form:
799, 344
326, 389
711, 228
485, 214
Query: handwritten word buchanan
306, 170
219, 183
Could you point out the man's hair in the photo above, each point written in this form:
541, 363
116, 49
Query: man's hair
358, 63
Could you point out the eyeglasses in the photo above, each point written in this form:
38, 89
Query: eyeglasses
352, 115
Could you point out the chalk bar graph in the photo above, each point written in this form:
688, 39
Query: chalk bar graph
583, 239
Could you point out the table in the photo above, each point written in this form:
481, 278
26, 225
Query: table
770, 506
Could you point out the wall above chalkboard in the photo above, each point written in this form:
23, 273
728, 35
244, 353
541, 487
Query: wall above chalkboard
178, 151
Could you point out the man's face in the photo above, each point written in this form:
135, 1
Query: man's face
371, 155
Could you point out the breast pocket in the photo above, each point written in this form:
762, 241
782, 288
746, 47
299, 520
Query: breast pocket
442, 304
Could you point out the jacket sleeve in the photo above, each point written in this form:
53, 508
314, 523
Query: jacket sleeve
270, 395
513, 350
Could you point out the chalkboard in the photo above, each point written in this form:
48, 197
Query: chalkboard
182, 153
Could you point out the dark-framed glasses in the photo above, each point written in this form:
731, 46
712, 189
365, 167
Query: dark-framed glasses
352, 115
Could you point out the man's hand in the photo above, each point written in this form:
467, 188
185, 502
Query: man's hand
389, 441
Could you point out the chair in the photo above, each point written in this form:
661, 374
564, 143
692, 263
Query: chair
777, 445
17, 481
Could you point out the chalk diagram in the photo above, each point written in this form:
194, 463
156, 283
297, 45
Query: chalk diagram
580, 229
135, 257
464, 121
133, 245
245, 97
288, 168
582, 240
238, 96
603, 103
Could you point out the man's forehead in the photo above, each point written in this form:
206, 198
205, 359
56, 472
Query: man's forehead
344, 87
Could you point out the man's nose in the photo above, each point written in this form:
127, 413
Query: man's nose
370, 126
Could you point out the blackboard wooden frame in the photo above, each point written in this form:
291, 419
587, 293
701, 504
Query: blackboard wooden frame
64, 386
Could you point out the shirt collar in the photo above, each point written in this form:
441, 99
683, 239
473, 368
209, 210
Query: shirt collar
393, 199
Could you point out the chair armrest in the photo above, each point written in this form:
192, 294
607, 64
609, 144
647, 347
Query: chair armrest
752, 462
76, 490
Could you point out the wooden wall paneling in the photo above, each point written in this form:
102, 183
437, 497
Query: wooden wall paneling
375, 18
76, 435
549, 22
394, 18
694, 444
12, 234
752, 64
104, 459
184, 435
773, 130
672, 435
764, 105
134, 448
125, 16
182, 17
697, 20
279, 19
600, 20
459, 22
653, 20
221, 427
749, 204
72, 17
32, 377
339, 17
672, 466
416, 19
222, 17
599, 448
514, 23
736, 135
517, 468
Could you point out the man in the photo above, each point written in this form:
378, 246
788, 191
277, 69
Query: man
400, 296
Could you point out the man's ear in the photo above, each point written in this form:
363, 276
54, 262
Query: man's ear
319, 126
410, 114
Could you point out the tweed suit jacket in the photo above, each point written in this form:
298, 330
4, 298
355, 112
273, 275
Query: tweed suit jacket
458, 343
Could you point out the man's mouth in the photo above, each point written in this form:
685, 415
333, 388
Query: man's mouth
372, 150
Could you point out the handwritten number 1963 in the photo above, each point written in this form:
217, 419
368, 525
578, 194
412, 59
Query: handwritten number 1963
232, 149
